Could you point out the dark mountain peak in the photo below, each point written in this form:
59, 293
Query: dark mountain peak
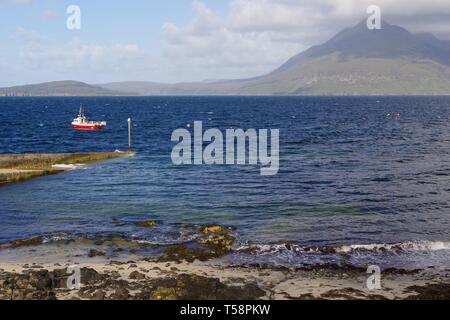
390, 41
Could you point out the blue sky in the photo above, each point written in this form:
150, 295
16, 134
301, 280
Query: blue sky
140, 21
180, 40
104, 23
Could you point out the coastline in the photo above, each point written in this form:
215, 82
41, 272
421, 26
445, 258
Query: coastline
20, 167
152, 280
34, 269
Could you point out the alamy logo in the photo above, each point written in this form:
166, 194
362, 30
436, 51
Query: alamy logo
74, 20
374, 280
374, 20
74, 279
230, 150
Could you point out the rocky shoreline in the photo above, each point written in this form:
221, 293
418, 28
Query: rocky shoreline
144, 280
193, 272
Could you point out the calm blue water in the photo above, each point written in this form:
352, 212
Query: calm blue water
352, 171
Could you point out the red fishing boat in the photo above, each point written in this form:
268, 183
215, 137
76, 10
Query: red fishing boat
82, 123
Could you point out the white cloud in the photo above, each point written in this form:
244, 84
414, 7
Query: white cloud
256, 36
77, 54
42, 58
38, 52
212, 41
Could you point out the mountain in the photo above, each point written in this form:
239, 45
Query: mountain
356, 61
391, 42
60, 88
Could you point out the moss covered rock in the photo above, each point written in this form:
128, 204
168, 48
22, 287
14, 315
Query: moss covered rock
194, 287
213, 229
27, 242
211, 241
148, 224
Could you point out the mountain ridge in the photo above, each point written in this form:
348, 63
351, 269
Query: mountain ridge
356, 61
60, 88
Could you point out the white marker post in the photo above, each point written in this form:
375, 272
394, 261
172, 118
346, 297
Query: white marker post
129, 134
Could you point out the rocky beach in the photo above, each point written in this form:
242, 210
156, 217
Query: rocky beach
112, 270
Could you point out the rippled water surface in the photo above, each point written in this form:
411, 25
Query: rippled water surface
352, 170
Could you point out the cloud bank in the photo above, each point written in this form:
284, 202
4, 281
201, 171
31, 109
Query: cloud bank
256, 36
38, 52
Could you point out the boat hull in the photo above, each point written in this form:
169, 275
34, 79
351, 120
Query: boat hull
88, 127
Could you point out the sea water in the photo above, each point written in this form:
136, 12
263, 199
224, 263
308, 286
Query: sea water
366, 176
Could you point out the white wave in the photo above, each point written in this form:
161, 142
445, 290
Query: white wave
269, 248
56, 238
68, 166
419, 246
405, 246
